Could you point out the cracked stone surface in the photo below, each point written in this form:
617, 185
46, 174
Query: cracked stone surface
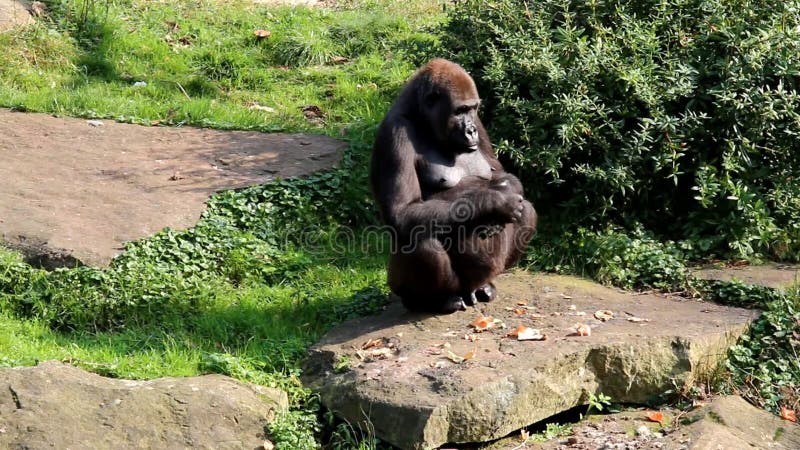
774, 275
74, 191
54, 405
13, 14
416, 397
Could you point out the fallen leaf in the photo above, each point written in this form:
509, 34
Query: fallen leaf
339, 60
603, 315
515, 332
524, 435
261, 34
471, 337
482, 323
581, 329
268, 445
380, 353
536, 316
519, 311
312, 112
455, 358
372, 343
568, 297
470, 354
654, 416
523, 333
788, 414
637, 319
522, 303
531, 334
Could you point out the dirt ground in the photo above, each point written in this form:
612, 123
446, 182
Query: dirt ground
73, 190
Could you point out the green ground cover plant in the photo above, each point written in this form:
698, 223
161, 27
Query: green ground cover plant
649, 135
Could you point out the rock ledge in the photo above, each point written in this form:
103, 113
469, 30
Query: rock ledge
418, 398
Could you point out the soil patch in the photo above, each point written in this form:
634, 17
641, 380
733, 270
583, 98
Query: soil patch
72, 191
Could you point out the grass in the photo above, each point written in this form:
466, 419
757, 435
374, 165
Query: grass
202, 65
243, 293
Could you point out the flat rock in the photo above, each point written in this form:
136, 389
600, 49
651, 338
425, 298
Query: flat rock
73, 191
54, 405
774, 275
13, 14
416, 396
731, 422
726, 422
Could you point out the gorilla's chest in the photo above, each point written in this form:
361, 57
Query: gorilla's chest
437, 172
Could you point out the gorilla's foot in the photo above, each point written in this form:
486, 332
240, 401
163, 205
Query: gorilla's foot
453, 304
485, 293
448, 305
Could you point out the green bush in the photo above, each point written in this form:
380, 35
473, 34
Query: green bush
682, 115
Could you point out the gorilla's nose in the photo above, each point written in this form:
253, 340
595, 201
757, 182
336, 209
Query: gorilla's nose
472, 131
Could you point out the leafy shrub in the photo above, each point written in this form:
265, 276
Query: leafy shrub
764, 362
613, 256
682, 115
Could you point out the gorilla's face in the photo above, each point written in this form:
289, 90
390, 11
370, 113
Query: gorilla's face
462, 125
452, 112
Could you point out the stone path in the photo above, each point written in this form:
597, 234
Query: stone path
774, 275
73, 191
54, 405
13, 14
404, 371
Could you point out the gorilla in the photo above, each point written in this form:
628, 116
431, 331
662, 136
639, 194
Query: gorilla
457, 218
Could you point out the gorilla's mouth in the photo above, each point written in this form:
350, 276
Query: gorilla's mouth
472, 147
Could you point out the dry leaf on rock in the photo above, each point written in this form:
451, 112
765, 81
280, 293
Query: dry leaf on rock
523, 333
788, 414
654, 416
581, 329
604, 315
372, 343
482, 323
470, 354
637, 319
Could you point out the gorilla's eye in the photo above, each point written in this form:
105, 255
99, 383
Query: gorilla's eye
463, 109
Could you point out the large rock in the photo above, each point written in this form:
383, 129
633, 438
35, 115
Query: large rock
418, 398
727, 422
731, 422
13, 14
73, 191
54, 405
773, 275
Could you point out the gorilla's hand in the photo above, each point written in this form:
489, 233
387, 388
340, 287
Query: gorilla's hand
509, 208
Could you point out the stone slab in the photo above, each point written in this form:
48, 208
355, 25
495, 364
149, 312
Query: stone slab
13, 14
73, 191
417, 398
774, 275
54, 405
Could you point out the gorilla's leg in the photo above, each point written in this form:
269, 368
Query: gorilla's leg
424, 278
478, 260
